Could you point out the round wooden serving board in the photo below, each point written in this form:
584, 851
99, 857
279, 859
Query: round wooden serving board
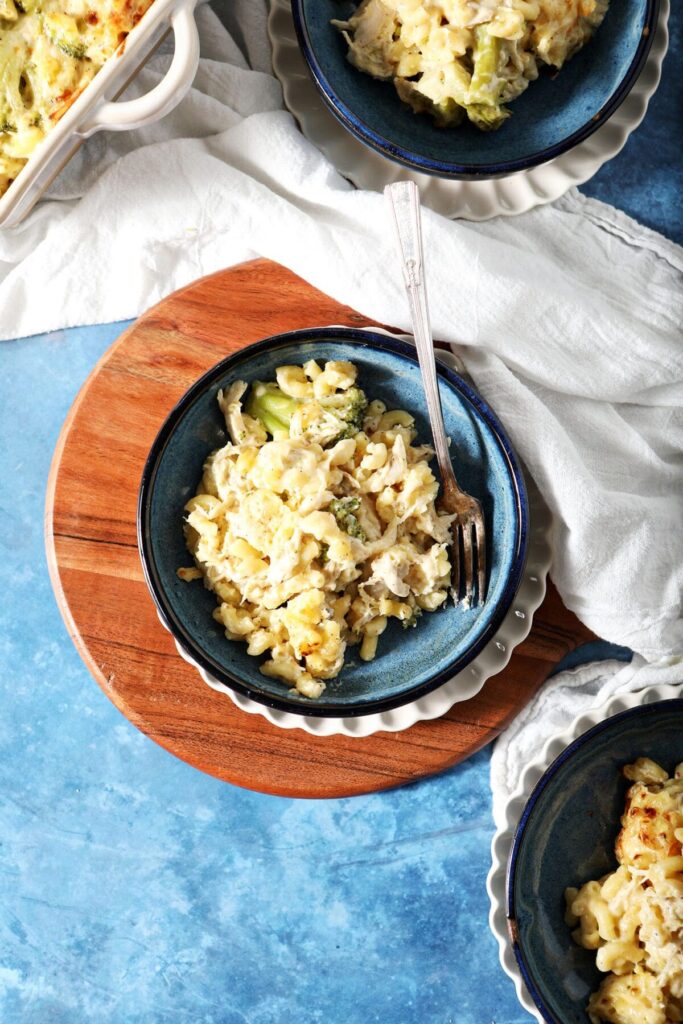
97, 576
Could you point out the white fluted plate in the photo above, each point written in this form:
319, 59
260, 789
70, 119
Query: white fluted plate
470, 200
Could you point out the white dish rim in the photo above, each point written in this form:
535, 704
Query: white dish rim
501, 845
470, 200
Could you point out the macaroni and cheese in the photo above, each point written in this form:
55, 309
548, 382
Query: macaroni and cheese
50, 50
316, 523
457, 59
633, 917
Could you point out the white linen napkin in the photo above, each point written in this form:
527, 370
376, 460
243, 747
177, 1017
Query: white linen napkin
568, 318
558, 704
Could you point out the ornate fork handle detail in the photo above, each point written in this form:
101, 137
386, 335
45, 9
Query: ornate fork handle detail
405, 204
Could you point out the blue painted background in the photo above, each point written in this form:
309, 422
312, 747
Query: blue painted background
133, 889
646, 178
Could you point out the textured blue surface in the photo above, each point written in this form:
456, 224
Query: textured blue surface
646, 178
566, 837
554, 113
133, 889
408, 663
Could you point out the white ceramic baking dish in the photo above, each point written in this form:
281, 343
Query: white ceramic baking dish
95, 108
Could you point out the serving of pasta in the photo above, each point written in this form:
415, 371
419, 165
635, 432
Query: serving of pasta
316, 523
633, 917
466, 59
50, 50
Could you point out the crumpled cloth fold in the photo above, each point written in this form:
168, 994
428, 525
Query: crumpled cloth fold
558, 704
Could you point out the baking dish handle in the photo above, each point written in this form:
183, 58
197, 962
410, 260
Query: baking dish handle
164, 96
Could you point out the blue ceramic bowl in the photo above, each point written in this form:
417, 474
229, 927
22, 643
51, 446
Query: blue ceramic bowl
566, 837
556, 112
409, 662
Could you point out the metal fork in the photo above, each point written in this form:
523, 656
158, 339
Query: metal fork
405, 203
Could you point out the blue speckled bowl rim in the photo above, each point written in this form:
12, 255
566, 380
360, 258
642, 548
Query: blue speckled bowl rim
446, 169
364, 339
550, 772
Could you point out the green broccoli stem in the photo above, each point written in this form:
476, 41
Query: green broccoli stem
484, 108
485, 59
271, 406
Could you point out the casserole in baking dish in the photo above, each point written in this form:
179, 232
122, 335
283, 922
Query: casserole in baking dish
61, 66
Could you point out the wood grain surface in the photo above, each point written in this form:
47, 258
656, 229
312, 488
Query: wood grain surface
92, 552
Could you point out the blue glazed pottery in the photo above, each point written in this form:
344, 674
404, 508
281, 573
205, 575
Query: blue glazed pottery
410, 662
566, 837
556, 112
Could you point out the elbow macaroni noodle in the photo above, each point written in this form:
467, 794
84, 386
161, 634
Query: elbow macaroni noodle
633, 917
290, 581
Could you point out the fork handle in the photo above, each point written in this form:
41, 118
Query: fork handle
405, 204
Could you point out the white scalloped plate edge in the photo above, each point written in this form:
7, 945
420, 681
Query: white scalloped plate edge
470, 200
514, 628
501, 845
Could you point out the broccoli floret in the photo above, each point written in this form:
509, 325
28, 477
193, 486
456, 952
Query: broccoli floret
324, 555
75, 50
348, 407
269, 404
63, 31
343, 511
411, 621
487, 118
272, 407
446, 113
